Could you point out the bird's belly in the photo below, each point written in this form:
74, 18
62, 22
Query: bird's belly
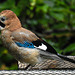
27, 55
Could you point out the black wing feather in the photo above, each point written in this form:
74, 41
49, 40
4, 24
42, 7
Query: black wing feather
49, 47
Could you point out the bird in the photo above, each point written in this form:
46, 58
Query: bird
23, 44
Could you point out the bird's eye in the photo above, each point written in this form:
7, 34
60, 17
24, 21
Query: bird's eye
3, 18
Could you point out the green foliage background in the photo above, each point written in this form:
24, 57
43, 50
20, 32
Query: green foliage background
52, 20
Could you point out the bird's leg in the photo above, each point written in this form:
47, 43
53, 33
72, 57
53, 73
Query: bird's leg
28, 67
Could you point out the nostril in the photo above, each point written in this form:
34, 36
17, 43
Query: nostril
2, 25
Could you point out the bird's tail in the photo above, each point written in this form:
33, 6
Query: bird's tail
66, 58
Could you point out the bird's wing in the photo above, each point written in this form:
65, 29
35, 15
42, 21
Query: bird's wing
49, 55
22, 35
25, 38
41, 44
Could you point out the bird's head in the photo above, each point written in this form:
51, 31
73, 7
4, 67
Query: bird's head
9, 20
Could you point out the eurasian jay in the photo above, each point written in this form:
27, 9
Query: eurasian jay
23, 44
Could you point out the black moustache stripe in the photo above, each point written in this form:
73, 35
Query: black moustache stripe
2, 25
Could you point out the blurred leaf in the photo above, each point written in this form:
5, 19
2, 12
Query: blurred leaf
7, 4
13, 67
43, 8
49, 3
7, 58
58, 16
33, 2
3, 67
60, 25
71, 47
5, 51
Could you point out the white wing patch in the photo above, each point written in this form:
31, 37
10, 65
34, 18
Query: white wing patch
44, 47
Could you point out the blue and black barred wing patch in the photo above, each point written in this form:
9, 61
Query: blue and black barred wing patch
25, 44
39, 44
